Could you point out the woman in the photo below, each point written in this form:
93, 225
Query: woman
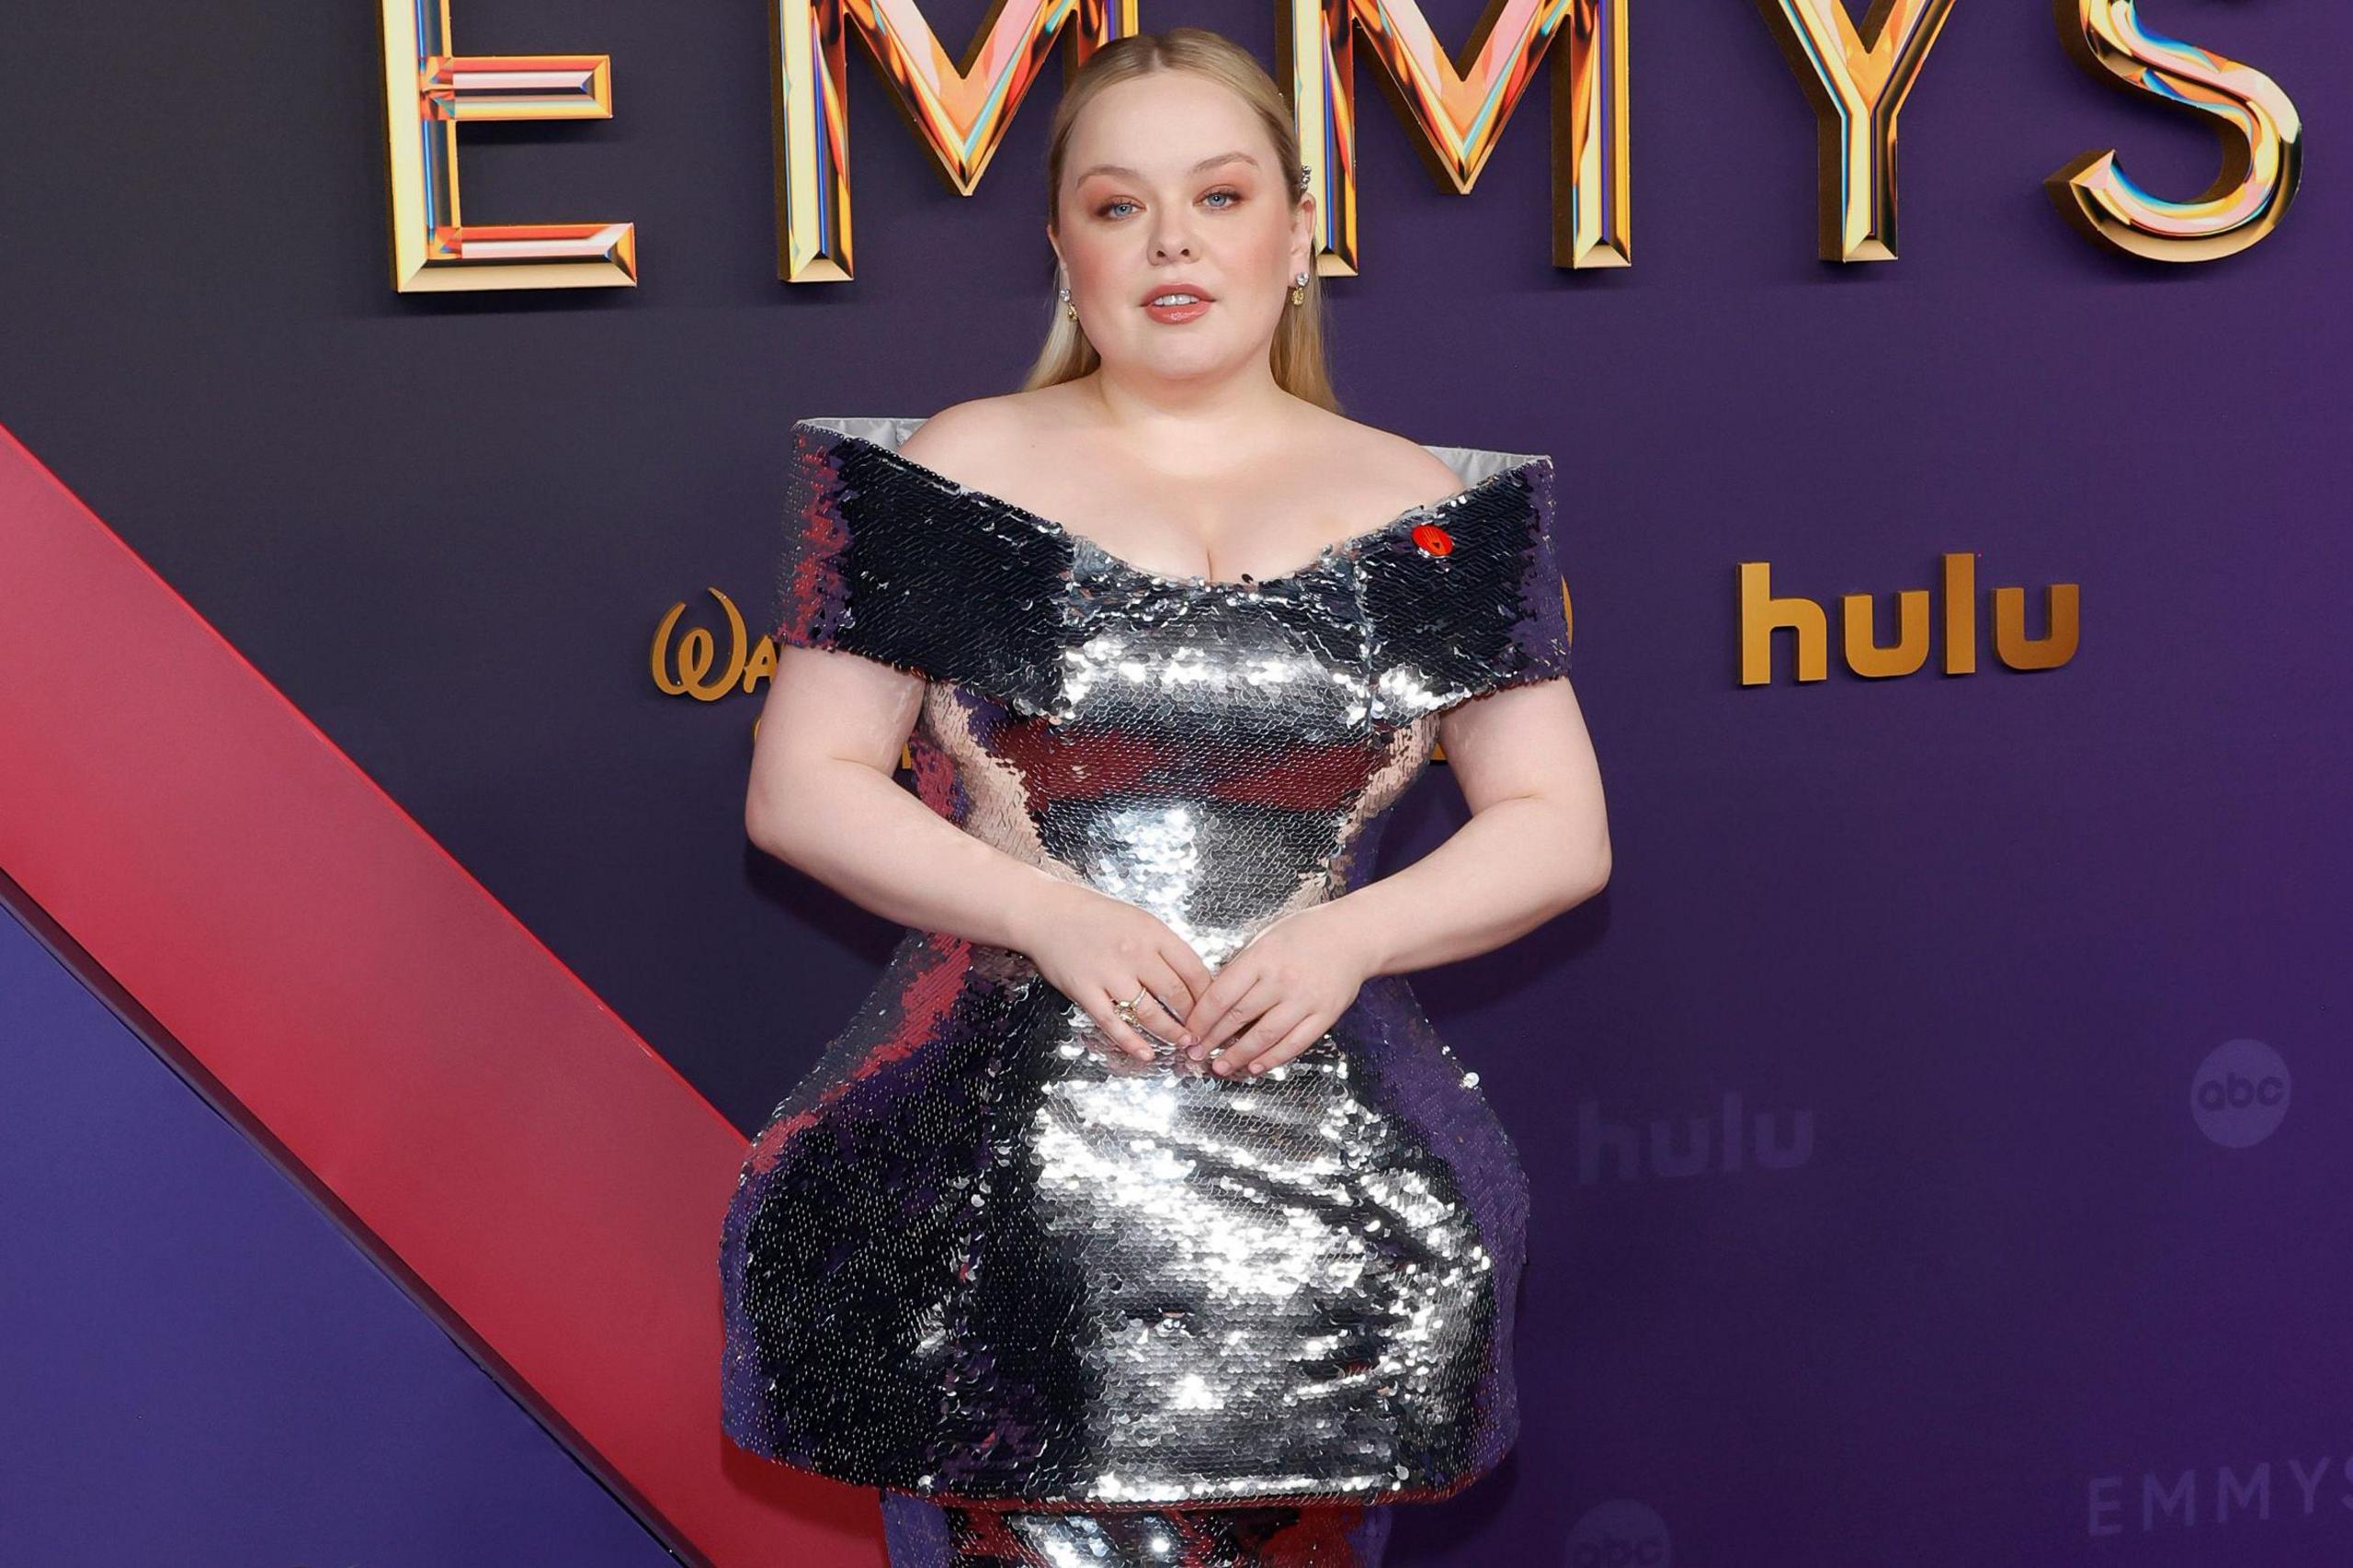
1138, 1217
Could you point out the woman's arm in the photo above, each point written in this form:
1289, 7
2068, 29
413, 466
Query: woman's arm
1536, 844
823, 799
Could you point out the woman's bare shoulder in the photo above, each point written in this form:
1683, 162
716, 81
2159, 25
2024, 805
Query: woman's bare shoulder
1398, 466
964, 441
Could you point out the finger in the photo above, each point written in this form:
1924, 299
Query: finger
1248, 1013
1106, 1015
1169, 982
1157, 1016
1215, 1018
1306, 1032
1209, 1005
1272, 1025
1172, 998
1213, 1009
1190, 967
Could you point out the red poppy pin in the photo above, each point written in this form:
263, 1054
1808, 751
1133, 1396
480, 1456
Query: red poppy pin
1433, 540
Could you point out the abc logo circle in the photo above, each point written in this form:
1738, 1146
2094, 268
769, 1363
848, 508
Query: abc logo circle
2240, 1093
1621, 1533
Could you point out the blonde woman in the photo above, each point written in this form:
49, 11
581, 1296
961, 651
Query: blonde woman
1138, 1217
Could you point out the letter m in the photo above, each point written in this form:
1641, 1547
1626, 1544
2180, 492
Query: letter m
2155, 1502
961, 112
2255, 1494
1460, 112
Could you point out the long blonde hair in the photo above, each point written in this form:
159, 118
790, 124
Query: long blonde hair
1296, 357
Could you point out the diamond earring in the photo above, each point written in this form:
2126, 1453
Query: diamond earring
1299, 289
1069, 310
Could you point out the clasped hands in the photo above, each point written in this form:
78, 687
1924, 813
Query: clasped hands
1272, 1000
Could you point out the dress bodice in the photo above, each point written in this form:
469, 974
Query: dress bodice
1220, 753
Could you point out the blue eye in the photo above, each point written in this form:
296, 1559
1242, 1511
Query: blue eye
1234, 199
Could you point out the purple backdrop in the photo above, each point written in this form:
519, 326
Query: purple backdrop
1956, 953
202, 1369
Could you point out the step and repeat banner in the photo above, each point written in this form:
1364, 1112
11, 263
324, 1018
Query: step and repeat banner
1938, 1128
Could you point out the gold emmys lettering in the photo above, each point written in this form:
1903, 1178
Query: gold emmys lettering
1857, 77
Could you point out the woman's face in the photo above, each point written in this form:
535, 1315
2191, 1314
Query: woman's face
1171, 185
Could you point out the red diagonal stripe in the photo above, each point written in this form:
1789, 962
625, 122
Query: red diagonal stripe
552, 1183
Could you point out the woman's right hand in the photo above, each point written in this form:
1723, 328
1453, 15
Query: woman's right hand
1099, 952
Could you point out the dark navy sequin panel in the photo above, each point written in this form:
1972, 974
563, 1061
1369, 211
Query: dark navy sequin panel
978, 1256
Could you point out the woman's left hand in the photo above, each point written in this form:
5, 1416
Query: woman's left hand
1277, 996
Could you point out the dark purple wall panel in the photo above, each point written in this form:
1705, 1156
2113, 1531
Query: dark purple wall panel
1962, 952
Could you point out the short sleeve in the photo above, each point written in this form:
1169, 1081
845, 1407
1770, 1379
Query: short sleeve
884, 560
1475, 607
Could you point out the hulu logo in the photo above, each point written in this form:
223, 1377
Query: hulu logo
1761, 615
1723, 1144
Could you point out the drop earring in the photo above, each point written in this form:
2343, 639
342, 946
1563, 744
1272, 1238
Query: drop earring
1299, 284
1069, 310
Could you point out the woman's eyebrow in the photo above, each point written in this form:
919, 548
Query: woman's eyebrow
1208, 163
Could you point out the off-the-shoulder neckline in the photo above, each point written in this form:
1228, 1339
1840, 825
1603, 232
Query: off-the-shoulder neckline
1525, 465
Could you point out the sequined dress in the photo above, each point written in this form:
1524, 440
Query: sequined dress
975, 1256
